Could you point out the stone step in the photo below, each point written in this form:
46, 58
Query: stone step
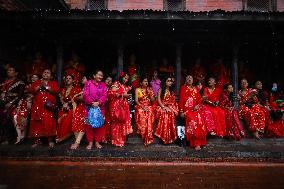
136, 139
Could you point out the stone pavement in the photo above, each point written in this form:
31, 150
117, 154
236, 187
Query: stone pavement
217, 150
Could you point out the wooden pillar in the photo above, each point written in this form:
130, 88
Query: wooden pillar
120, 56
59, 63
178, 67
235, 76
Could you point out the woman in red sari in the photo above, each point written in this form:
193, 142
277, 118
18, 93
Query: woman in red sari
133, 71
107, 138
43, 123
167, 112
211, 97
65, 115
276, 128
11, 91
233, 124
144, 111
198, 71
257, 117
22, 113
245, 101
250, 109
75, 68
79, 120
189, 105
263, 97
118, 103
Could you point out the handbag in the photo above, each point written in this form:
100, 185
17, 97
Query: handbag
95, 117
49, 105
120, 113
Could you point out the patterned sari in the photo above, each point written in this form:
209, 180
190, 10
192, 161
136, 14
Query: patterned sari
195, 128
119, 128
11, 92
166, 126
145, 119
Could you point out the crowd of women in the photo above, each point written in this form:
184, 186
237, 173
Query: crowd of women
39, 109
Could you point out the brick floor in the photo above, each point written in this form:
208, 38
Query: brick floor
107, 174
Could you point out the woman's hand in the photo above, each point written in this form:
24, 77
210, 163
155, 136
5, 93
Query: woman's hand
167, 109
196, 107
95, 104
47, 88
127, 95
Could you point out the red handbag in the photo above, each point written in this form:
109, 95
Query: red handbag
120, 113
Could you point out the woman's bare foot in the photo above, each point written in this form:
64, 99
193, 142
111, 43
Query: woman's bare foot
98, 146
51, 144
90, 146
75, 146
256, 134
19, 140
197, 148
212, 133
36, 143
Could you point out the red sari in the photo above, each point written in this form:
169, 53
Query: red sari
11, 92
43, 123
21, 113
65, 116
219, 69
166, 126
276, 128
79, 120
145, 119
37, 67
119, 129
257, 118
76, 70
195, 128
233, 124
134, 77
107, 124
198, 73
244, 109
252, 112
217, 112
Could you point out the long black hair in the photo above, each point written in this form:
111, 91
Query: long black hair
163, 87
142, 77
121, 76
225, 87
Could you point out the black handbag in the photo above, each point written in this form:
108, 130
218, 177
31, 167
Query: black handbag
50, 106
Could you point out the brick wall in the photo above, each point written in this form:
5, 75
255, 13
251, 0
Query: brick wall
192, 5
135, 4
280, 5
208, 5
76, 4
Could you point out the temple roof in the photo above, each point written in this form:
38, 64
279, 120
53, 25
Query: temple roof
24, 5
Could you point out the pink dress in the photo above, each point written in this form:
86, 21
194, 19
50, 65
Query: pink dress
95, 92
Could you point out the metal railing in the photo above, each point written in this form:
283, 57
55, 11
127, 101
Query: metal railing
180, 5
174, 5
97, 4
260, 5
